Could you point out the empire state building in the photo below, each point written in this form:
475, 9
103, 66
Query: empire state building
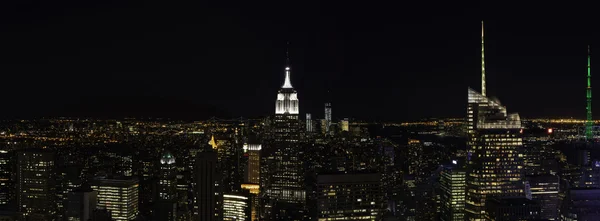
286, 183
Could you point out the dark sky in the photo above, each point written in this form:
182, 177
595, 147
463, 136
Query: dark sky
379, 61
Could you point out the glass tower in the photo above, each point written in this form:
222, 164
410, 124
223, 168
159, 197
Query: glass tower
494, 153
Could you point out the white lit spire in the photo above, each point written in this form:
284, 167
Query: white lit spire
287, 83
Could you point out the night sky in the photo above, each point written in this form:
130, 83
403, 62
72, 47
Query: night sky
378, 61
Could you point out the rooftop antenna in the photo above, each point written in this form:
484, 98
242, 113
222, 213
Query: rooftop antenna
589, 135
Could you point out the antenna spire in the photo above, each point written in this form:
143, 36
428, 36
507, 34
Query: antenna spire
589, 135
482, 61
287, 83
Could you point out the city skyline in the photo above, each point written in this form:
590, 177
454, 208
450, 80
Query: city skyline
396, 62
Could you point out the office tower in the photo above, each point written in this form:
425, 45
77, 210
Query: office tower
165, 207
207, 195
452, 195
167, 177
509, 209
581, 204
236, 207
589, 123
309, 123
36, 195
119, 197
544, 190
327, 117
6, 184
252, 180
287, 180
344, 124
324, 127
349, 196
81, 204
493, 143
253, 168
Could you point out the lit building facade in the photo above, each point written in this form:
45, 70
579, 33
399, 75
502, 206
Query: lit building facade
309, 123
494, 144
345, 125
166, 204
236, 207
327, 117
253, 168
453, 190
119, 197
545, 191
349, 197
5, 178
36, 187
287, 181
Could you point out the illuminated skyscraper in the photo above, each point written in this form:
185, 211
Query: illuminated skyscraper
544, 190
36, 188
589, 134
253, 168
287, 182
166, 204
344, 124
119, 197
80, 204
309, 123
167, 189
6, 185
452, 196
493, 143
327, 117
236, 207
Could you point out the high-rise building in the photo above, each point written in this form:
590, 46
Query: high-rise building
167, 189
166, 204
6, 185
236, 207
81, 204
36, 195
119, 197
452, 195
207, 194
344, 125
545, 191
253, 168
494, 144
309, 123
349, 197
327, 117
287, 180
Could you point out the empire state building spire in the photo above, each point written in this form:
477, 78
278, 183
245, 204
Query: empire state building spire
287, 83
482, 62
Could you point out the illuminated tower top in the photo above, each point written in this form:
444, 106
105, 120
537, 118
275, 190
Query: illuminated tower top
482, 62
589, 123
287, 98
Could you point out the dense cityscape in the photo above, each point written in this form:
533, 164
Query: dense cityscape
489, 164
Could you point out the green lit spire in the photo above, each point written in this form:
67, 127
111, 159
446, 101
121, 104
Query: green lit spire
589, 123
482, 62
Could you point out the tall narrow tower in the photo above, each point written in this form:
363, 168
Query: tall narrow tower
589, 123
482, 62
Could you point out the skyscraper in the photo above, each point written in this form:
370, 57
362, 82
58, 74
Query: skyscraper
287, 183
309, 123
236, 207
494, 143
452, 195
589, 123
206, 186
36, 195
544, 190
6, 184
119, 197
166, 204
253, 168
327, 117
